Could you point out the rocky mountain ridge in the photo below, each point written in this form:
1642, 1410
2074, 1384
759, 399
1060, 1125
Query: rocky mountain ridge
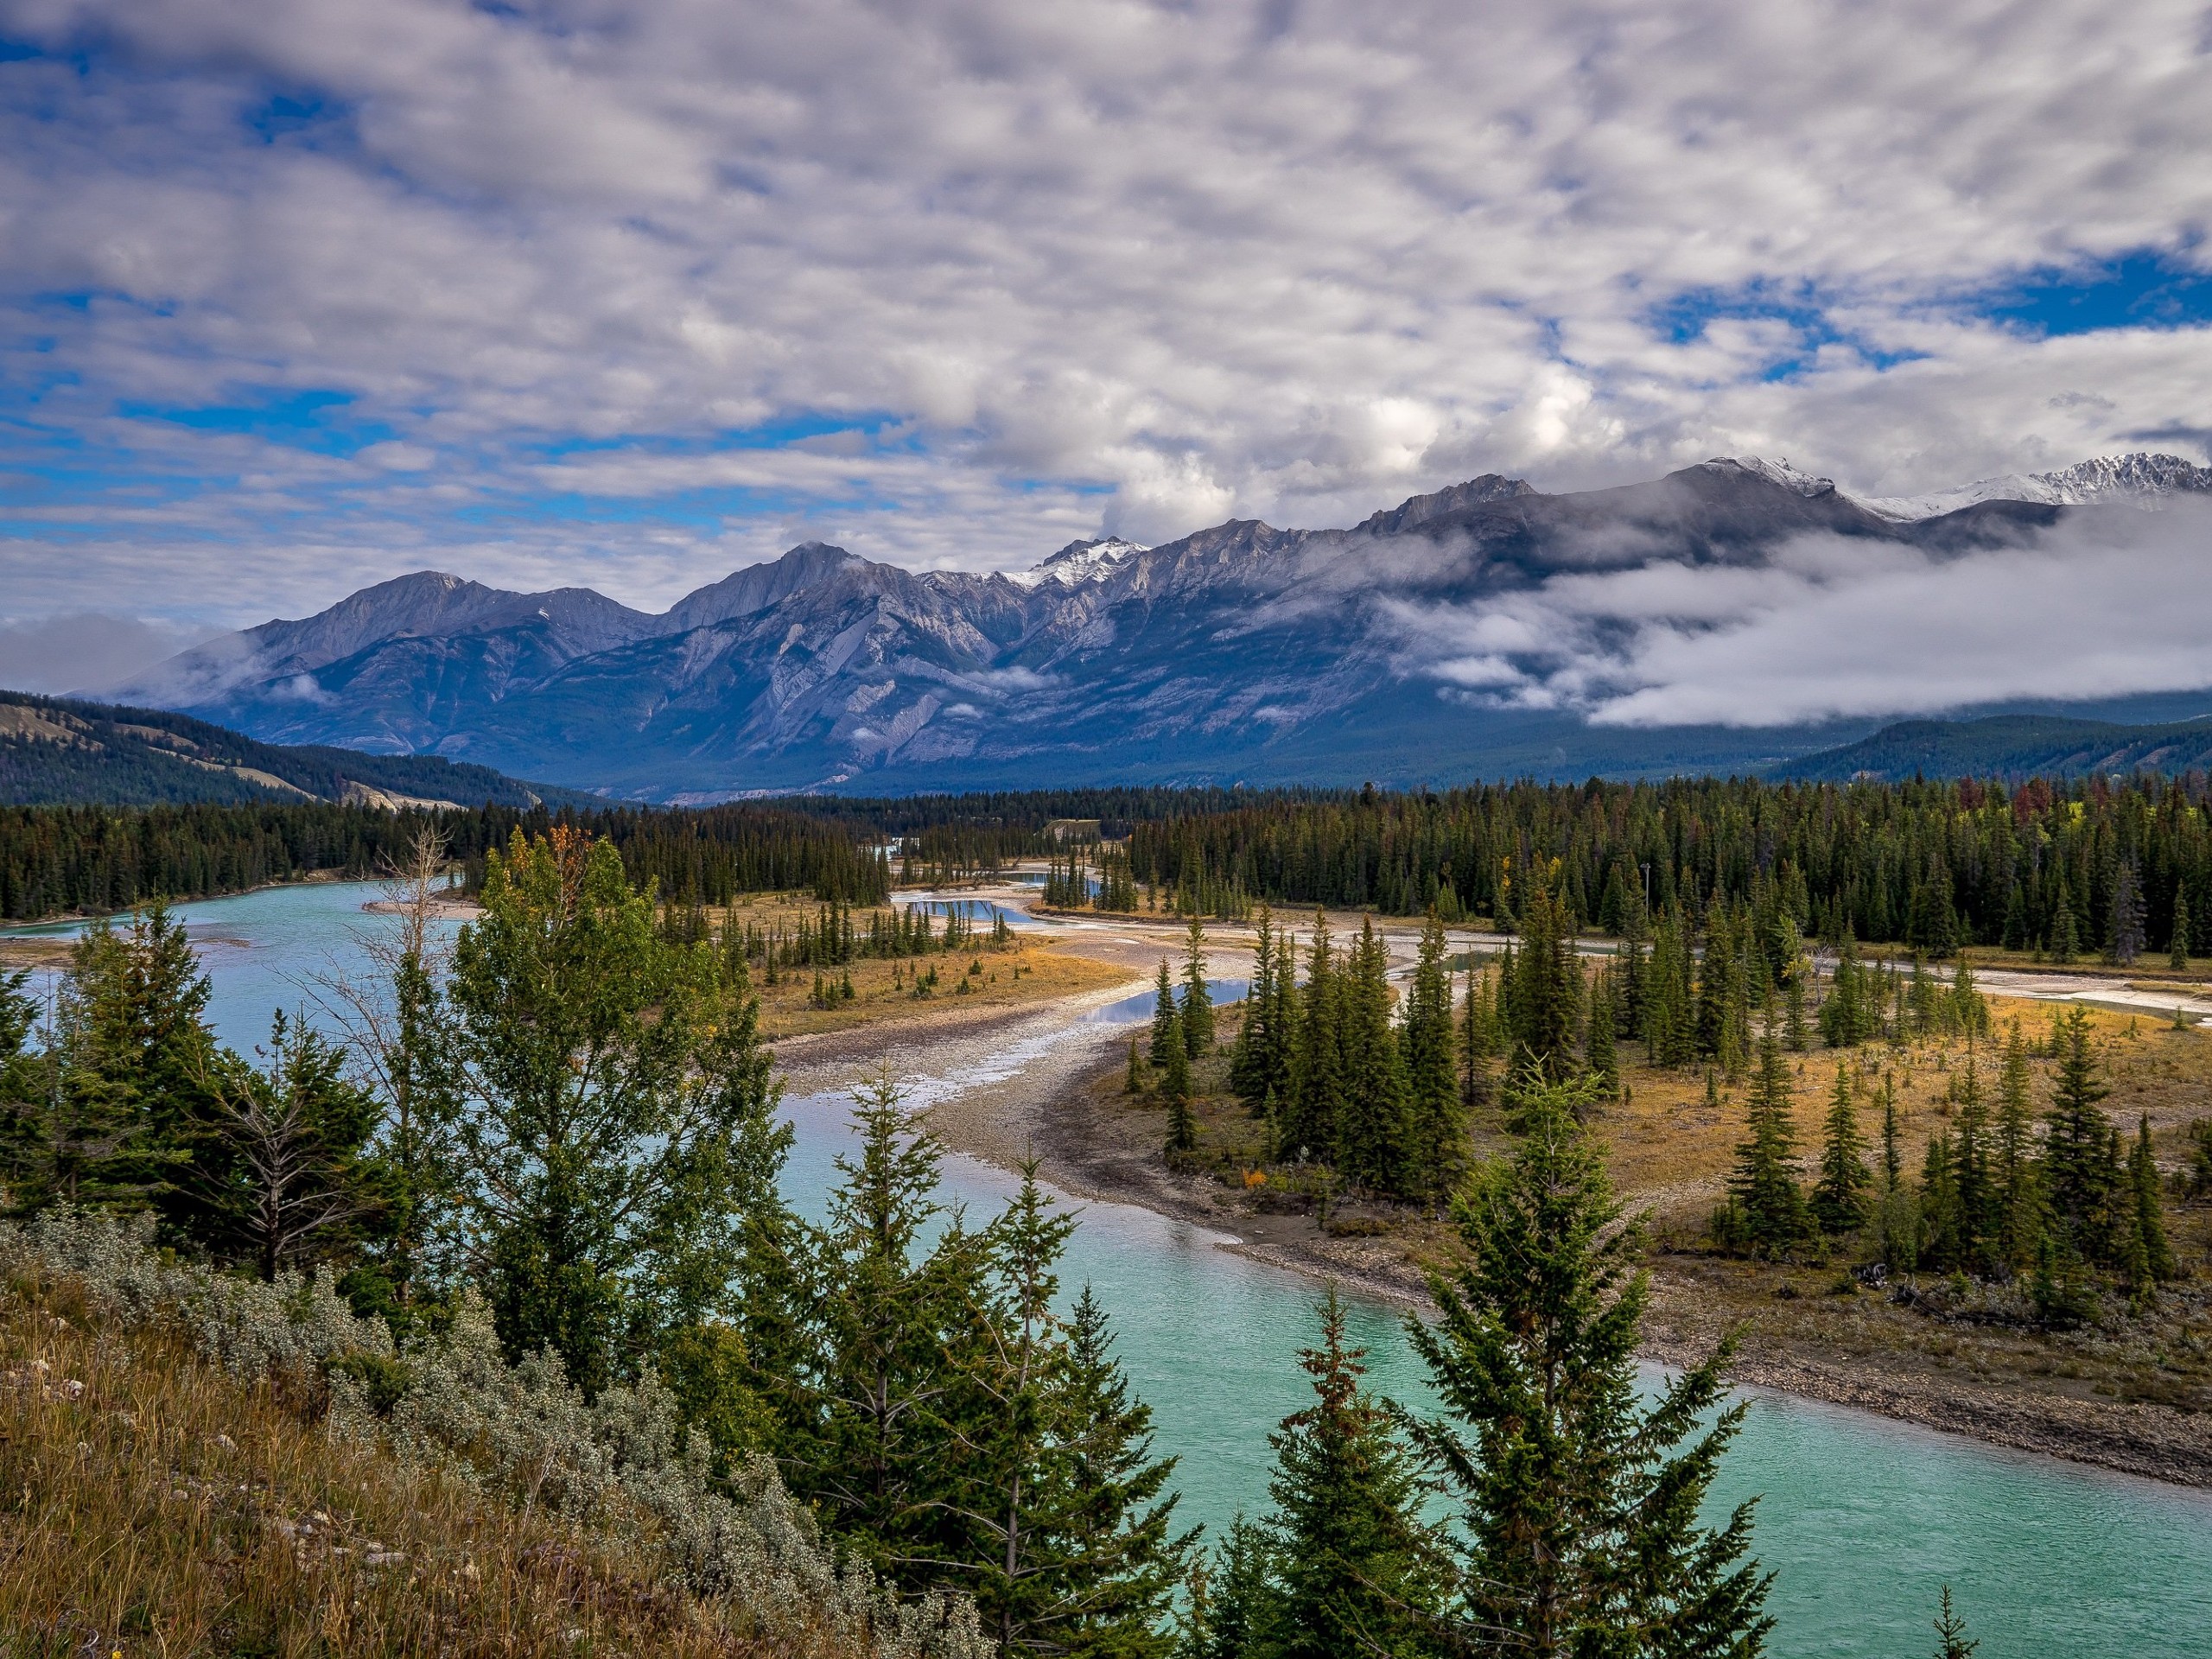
1242, 652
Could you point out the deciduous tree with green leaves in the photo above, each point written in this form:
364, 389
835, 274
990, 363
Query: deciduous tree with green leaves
614, 1124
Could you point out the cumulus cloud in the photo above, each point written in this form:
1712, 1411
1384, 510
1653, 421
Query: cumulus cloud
593, 282
2110, 602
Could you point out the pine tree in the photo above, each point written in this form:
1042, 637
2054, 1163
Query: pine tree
1578, 1528
1841, 1200
1669, 1028
2179, 941
1355, 1570
1764, 1195
1242, 1613
1197, 1005
1133, 1082
2078, 1176
1165, 1025
1940, 1245
1437, 1138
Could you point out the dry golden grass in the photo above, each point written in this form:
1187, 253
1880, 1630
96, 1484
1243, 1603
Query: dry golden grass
1029, 971
150, 1505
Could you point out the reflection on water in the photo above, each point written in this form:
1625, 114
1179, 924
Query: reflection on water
1863, 1519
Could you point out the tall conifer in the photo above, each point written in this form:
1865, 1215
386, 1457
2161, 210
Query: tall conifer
1438, 1128
1842, 1201
1578, 1527
1356, 1571
1198, 1002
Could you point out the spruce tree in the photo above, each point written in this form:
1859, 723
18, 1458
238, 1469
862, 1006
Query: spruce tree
1981, 1218
1438, 1127
1477, 1040
134, 1126
1059, 1530
886, 1317
1579, 1529
1373, 1126
2124, 934
299, 1179
1175, 1089
2065, 933
1763, 1190
1951, 1639
1252, 1055
2179, 941
27, 1081
1598, 1047
1354, 1569
1165, 1026
2078, 1174
1841, 1197
1546, 987
1308, 1122
2149, 1258
1121, 1556
1241, 1613
2020, 1204
1198, 1003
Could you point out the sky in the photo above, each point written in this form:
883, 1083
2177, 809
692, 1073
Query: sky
299, 295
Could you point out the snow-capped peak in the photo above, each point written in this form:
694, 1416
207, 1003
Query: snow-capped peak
2140, 480
1773, 472
1080, 562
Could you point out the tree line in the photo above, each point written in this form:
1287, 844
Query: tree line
59, 860
2093, 866
564, 1115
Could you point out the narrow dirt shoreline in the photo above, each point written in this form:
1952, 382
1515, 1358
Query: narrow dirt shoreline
1041, 1111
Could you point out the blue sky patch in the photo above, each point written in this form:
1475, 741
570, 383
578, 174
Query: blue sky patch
1684, 318
2142, 290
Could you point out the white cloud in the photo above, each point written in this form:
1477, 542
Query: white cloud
1097, 265
84, 651
2111, 602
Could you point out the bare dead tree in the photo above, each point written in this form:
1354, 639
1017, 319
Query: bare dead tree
385, 1013
297, 1182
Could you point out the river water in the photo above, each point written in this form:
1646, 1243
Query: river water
1860, 1519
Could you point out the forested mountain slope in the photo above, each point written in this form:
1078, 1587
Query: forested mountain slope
54, 751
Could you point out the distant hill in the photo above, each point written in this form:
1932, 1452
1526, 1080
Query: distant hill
61, 751
2008, 746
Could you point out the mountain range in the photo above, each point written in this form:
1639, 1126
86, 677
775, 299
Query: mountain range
1242, 652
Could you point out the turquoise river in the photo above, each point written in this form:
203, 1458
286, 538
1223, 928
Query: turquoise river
1860, 1519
